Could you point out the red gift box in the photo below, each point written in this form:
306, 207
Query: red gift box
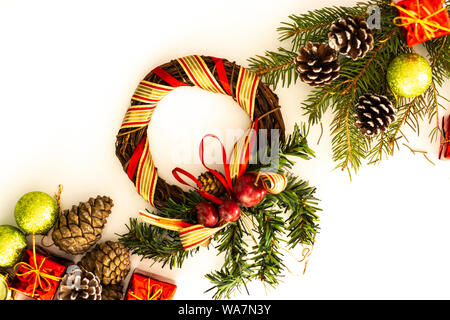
444, 151
423, 20
143, 287
38, 276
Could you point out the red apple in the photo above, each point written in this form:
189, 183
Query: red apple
247, 192
229, 211
206, 214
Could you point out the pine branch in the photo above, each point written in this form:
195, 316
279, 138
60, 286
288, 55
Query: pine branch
348, 144
314, 25
275, 67
295, 145
298, 199
154, 243
267, 261
236, 270
159, 244
226, 281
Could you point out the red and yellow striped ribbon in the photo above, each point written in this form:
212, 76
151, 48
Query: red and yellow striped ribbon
139, 116
149, 93
274, 183
191, 236
165, 223
197, 71
241, 151
246, 88
146, 175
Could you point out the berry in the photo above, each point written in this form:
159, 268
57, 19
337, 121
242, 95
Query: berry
229, 211
206, 214
247, 192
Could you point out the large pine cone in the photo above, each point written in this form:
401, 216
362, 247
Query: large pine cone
112, 292
81, 227
79, 284
211, 184
351, 37
110, 261
375, 113
317, 64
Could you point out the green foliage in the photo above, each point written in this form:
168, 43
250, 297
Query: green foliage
162, 245
236, 270
287, 219
281, 66
349, 147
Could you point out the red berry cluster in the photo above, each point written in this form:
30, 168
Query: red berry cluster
247, 192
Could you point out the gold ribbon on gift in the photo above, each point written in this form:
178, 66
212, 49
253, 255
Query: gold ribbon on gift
40, 277
154, 296
429, 27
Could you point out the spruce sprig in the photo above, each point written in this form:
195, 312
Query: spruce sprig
368, 75
289, 218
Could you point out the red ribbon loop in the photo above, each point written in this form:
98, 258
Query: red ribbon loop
225, 179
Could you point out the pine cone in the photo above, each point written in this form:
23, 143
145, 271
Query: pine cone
112, 292
81, 227
79, 284
110, 261
375, 113
351, 37
211, 184
317, 64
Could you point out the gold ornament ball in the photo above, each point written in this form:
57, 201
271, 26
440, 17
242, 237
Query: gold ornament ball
409, 75
12, 244
4, 292
36, 212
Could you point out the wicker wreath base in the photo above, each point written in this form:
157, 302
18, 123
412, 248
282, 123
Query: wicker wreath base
266, 107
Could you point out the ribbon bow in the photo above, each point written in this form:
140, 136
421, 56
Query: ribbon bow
156, 293
422, 22
41, 279
234, 166
192, 236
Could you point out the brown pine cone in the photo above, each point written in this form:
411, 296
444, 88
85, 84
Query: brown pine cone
78, 284
110, 261
351, 37
81, 227
211, 184
112, 292
375, 113
317, 64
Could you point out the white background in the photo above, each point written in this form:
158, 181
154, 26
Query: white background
67, 72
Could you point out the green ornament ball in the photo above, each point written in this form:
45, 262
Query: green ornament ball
12, 244
3, 289
409, 75
36, 212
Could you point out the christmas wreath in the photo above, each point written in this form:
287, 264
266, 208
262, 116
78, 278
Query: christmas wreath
362, 66
247, 198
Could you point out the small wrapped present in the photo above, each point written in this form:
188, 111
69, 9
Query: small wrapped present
38, 274
143, 286
444, 150
423, 20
